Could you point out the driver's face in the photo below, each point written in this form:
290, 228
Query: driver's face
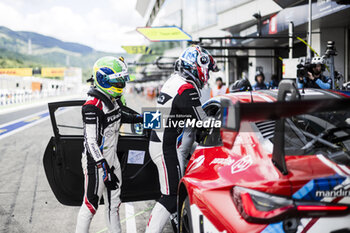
317, 69
259, 79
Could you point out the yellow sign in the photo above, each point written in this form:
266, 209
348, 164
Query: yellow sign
138, 49
17, 71
164, 33
52, 72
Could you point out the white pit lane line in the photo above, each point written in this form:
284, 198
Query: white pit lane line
130, 218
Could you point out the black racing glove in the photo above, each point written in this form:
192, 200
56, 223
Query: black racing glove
131, 118
201, 134
109, 178
139, 118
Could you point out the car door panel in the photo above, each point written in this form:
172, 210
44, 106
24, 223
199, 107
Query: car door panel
63, 169
140, 181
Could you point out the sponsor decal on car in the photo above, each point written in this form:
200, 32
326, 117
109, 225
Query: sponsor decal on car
242, 164
342, 190
333, 193
222, 161
197, 162
318, 189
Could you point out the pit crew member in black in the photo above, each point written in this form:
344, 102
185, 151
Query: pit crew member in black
102, 117
179, 100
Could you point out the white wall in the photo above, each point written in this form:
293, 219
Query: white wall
266, 63
316, 40
212, 31
338, 36
244, 13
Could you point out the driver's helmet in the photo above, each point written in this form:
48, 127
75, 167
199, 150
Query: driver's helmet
194, 64
241, 85
110, 75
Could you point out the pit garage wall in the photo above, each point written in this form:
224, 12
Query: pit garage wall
340, 37
337, 35
267, 64
320, 37
330, 22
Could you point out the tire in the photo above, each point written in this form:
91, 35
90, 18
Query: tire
185, 219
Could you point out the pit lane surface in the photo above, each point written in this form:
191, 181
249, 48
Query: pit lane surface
27, 203
11, 116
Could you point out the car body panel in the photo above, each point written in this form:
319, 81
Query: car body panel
213, 171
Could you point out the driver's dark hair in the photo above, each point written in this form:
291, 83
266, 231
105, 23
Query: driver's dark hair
218, 79
259, 73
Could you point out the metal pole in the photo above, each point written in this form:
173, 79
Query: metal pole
309, 30
227, 73
291, 36
332, 71
245, 37
184, 43
346, 49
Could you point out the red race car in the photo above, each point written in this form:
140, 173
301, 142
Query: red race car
279, 163
273, 166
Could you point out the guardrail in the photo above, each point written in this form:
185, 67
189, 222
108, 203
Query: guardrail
8, 97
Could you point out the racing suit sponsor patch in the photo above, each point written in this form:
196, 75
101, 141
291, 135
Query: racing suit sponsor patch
163, 98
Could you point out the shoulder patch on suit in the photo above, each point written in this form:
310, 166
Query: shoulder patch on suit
163, 98
185, 87
96, 102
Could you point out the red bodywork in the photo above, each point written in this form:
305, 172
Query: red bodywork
212, 173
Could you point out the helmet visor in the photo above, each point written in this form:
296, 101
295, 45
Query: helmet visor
124, 75
118, 79
117, 82
113, 80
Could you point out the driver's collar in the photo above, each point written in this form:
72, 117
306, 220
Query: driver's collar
94, 92
182, 75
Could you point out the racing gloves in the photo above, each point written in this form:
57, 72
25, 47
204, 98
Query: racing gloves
109, 178
139, 118
131, 118
203, 132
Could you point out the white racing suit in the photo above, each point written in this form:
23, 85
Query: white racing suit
169, 146
102, 118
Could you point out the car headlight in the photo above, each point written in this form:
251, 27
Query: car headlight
259, 207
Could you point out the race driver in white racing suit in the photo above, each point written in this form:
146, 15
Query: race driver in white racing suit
178, 98
102, 117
